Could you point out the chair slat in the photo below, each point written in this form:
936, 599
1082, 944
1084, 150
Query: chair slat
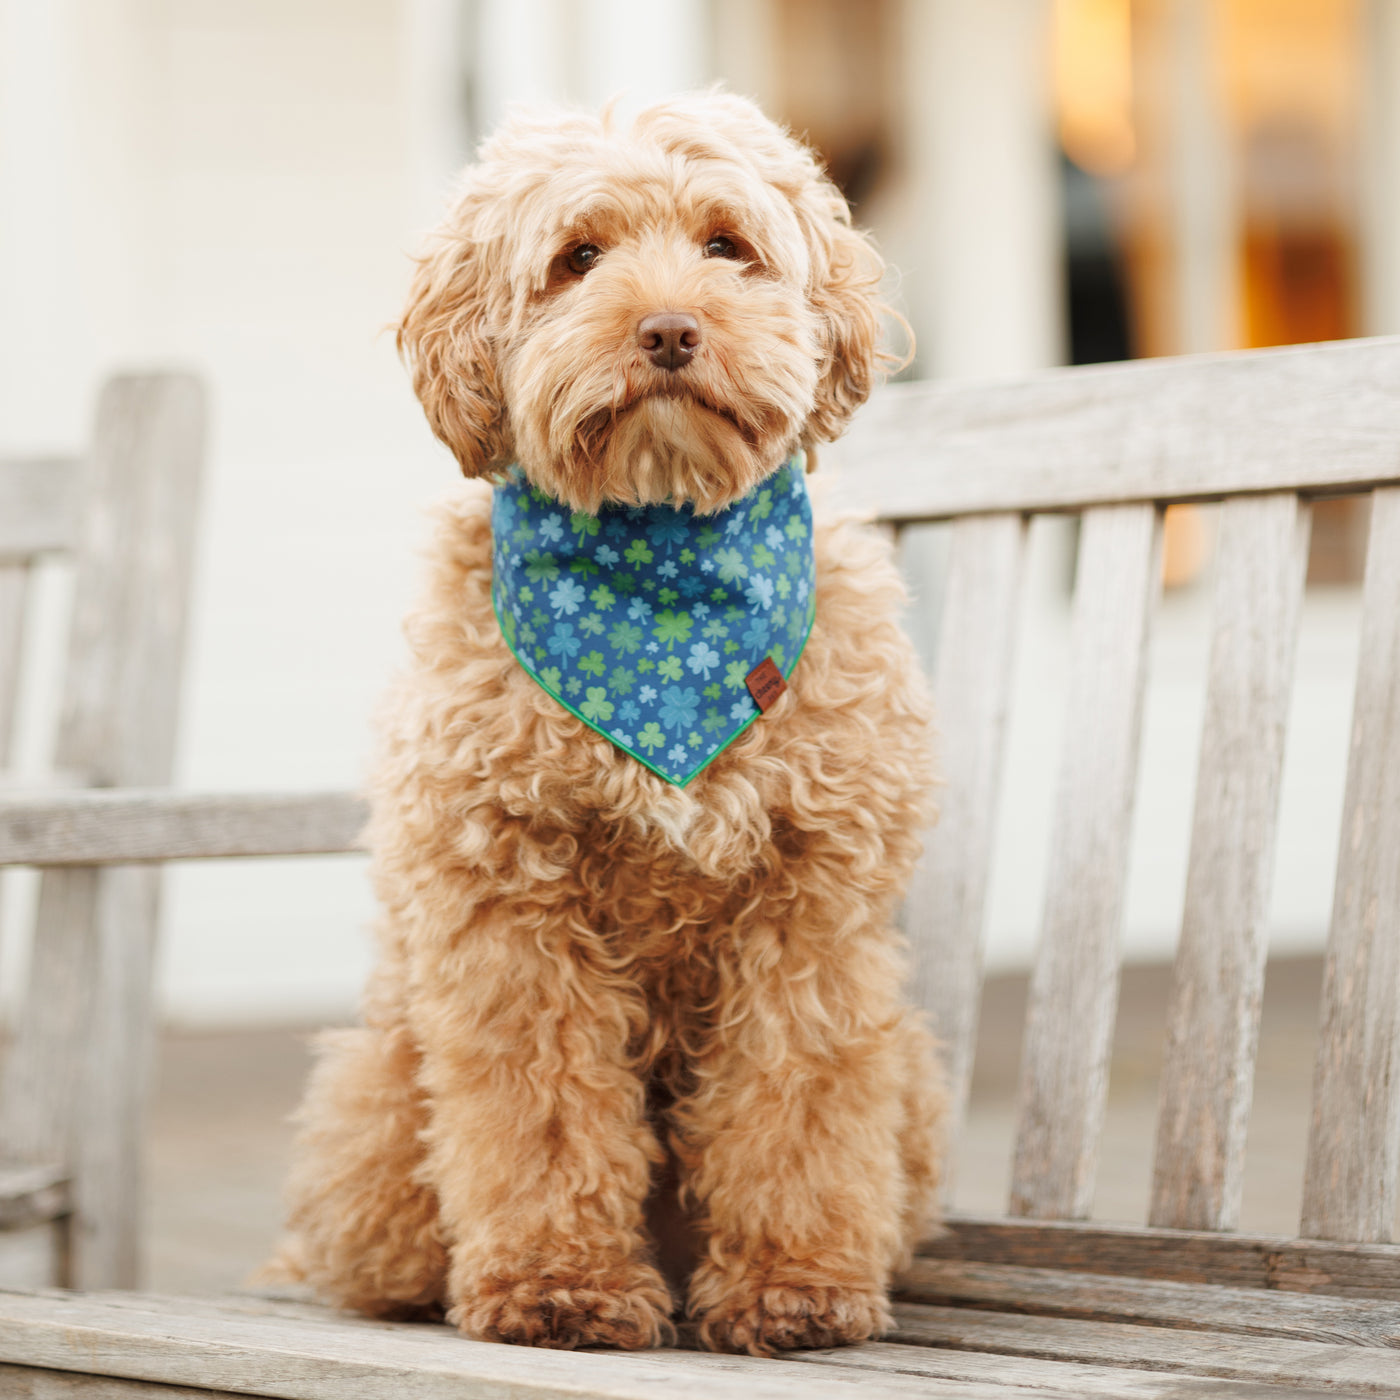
919, 1350
1213, 1022
177, 1342
1196, 427
108, 826
945, 907
38, 506
1187, 1256
1266, 1362
14, 596
45, 1066
1353, 1165
1259, 1312
1074, 987
81, 1050
33, 1383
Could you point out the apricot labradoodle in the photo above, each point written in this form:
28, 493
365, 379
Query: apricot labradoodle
651, 787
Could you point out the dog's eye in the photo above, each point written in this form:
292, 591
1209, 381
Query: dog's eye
721, 247
584, 257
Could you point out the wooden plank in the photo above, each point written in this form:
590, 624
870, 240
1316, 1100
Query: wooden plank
31, 785
14, 595
1058, 1378
1354, 1147
38, 506
1276, 1361
135, 564
1199, 427
1353, 1164
328, 1360
32, 1195
1155, 1302
1025, 1376
26, 1383
945, 910
1188, 1256
75, 1078
45, 1065
123, 825
1074, 987
1218, 986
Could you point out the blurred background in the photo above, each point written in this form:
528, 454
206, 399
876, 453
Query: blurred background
238, 185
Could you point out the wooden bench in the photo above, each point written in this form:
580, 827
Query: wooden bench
72, 1095
1042, 1300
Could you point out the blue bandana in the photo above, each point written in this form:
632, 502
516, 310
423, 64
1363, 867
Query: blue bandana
652, 624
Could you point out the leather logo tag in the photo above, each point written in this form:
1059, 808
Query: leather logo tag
766, 684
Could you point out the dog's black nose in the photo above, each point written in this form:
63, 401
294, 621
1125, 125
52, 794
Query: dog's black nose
669, 338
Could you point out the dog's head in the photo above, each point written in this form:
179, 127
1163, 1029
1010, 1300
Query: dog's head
660, 314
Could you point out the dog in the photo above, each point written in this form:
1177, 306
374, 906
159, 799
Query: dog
635, 1048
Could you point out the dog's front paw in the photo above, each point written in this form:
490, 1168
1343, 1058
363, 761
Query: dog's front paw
761, 1318
554, 1311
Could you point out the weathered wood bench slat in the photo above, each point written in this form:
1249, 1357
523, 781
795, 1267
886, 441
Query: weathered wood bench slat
1074, 986
32, 1195
1201, 1307
29, 1383
1032, 1378
1353, 1163
14, 595
944, 912
1313, 418
248, 1341
328, 1360
43, 1071
1269, 1360
1213, 1019
1055, 1377
110, 827
38, 506
82, 1048
1188, 1256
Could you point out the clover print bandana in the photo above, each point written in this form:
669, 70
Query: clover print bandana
644, 621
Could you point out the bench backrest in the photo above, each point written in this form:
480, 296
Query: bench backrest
1263, 433
72, 1099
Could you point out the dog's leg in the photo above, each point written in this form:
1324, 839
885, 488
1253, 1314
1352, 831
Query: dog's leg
800, 1153
538, 1141
363, 1223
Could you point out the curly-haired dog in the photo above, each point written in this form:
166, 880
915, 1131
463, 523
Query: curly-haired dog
599, 984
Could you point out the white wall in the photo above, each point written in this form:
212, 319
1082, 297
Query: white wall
233, 186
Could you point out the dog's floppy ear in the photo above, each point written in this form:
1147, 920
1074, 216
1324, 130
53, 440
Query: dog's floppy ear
446, 336
844, 292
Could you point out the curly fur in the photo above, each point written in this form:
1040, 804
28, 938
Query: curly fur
632, 1048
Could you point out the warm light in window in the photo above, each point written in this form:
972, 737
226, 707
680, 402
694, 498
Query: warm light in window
1094, 83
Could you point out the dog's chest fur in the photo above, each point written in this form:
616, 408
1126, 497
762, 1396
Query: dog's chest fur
675, 889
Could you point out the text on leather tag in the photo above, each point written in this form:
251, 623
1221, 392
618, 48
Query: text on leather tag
766, 684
